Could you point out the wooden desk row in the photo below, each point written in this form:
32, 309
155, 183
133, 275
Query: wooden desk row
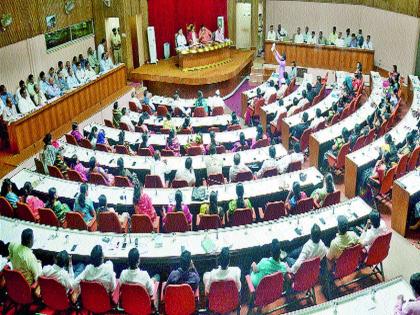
77, 104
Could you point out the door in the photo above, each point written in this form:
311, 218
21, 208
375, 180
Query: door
137, 40
243, 25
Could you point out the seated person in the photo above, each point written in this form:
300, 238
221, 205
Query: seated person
34, 203
270, 90
234, 119
260, 136
179, 206
214, 163
186, 273
252, 107
268, 266
134, 275
240, 145
99, 271
167, 122
95, 168
237, 167
239, 202
134, 99
172, 143
295, 194
205, 35
93, 136
219, 36
142, 125
299, 105
84, 205
122, 171
9, 112
318, 119
7, 192
79, 168
212, 207
310, 92
52, 155
411, 307
355, 135
101, 139
192, 37
409, 146
60, 209
147, 100
186, 173
343, 239
23, 259
374, 227
143, 204
180, 40
75, 132
314, 247
216, 100
416, 221
294, 106
61, 270
213, 141
71, 80
285, 161
269, 163
381, 168
126, 119
160, 168
144, 143
223, 273
299, 129
340, 141
332, 112
103, 207
186, 125
201, 102
319, 194
116, 115
25, 103
52, 90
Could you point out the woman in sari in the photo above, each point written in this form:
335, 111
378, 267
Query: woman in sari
178, 207
34, 203
172, 143
51, 155
143, 203
60, 209
79, 168
240, 202
95, 168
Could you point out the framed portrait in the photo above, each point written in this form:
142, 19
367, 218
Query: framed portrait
51, 21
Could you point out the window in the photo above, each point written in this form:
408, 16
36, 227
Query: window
67, 35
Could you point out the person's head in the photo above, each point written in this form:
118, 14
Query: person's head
296, 189
23, 92
298, 30
47, 139
345, 133
259, 92
279, 27
340, 34
212, 150
375, 218
272, 27
305, 117
124, 110
52, 195
348, 32
27, 238
306, 29
353, 36
120, 163
272, 151
368, 38
357, 129
102, 202
271, 83
92, 163
242, 139
42, 76
185, 260
178, 197
321, 34
213, 200
360, 31
138, 190
342, 224
9, 102
51, 80
415, 283
388, 139
115, 106
26, 190
240, 190
280, 102
180, 32
275, 249
295, 101
133, 258
329, 183
296, 147
62, 259
395, 68
6, 187
224, 258
97, 256
313, 33
188, 163
93, 133
318, 113
171, 133
186, 123
31, 78
315, 233
199, 94
114, 30
237, 159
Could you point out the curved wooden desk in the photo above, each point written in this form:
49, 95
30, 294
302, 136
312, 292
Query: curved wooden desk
204, 60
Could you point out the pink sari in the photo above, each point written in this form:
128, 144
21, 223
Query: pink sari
145, 206
34, 203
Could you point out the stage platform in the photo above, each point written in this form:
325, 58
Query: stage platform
166, 77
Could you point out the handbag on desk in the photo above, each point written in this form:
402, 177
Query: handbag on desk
199, 194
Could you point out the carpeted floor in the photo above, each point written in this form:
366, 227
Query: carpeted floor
234, 102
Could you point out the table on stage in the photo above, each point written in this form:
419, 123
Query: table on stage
77, 104
321, 56
405, 194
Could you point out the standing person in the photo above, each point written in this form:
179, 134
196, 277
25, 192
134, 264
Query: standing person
410, 307
101, 48
281, 60
116, 46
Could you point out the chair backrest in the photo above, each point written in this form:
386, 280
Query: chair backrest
215, 179
214, 129
141, 223
23, 212
109, 123
304, 140
162, 110
220, 149
39, 166
413, 161
320, 126
139, 129
270, 172
144, 152
223, 297
121, 181
179, 300
124, 126
102, 147
257, 106
75, 221
274, 210
294, 166
332, 199
55, 172
85, 143
262, 143
6, 209
242, 217
269, 290
379, 249
382, 129
348, 261
121, 149
304, 205
217, 111
307, 275
132, 106
135, 300
176, 222
185, 131
370, 136
234, 127
402, 165
360, 142
199, 112
53, 294
335, 119
70, 139
244, 176
194, 151
48, 217
388, 180
166, 152
95, 299
108, 222
165, 131
346, 112
177, 112
272, 98
146, 108
209, 221
341, 158
18, 289
97, 179
153, 181
74, 176
179, 183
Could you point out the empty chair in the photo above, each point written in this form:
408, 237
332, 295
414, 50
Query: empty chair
121, 149
269, 290
140, 129
109, 123
272, 98
178, 299
332, 199
74, 176
413, 160
244, 176
108, 221
54, 294
85, 143
194, 151
270, 172
306, 277
146, 108
242, 217
75, 221
133, 107
223, 297
377, 253
95, 299
6, 210
273, 211
153, 181
23, 212
48, 217
370, 137
102, 147
294, 166
387, 181
304, 140
304, 205
70, 139
179, 183
199, 112
335, 119
402, 165
122, 181
162, 110
176, 222
141, 223
54, 171
216, 179
144, 152
208, 221
19, 291
135, 299
217, 111
124, 126
234, 127
97, 179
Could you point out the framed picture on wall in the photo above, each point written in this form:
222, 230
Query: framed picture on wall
51, 21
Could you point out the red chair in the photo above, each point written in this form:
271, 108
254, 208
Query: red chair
242, 217
70, 139
244, 176
346, 112
54, 295
144, 152
165, 131
85, 143
335, 119
304, 205
257, 107
135, 299
6, 210
97, 179
199, 112
262, 143
153, 181
269, 290
216, 179
360, 142
370, 137
39, 166
377, 253
75, 221
273, 211
304, 140
413, 160
214, 129
272, 98
19, 291
108, 221
176, 222
109, 123
179, 183
133, 107
402, 166
166, 152
234, 127
194, 151
270, 172
177, 112
224, 297
122, 181
331, 199
146, 108
54, 171
337, 163
382, 129
275, 127
162, 110
74, 176
124, 126
208, 222
218, 111
185, 131
294, 166
48, 217
141, 223
387, 181
140, 129
178, 299
23, 212
95, 299
121, 149
102, 147
220, 149
320, 126
306, 277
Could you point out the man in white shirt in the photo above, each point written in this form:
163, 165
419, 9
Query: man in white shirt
271, 35
298, 37
302, 102
39, 96
186, 173
340, 41
101, 48
159, 167
223, 272
306, 34
314, 247
126, 119
89, 72
296, 156
237, 167
71, 80
218, 35
373, 228
214, 164
347, 39
81, 74
99, 271
281, 32
333, 36
367, 44
216, 100
318, 119
21, 86
25, 103
9, 112
180, 40
269, 163
58, 270
134, 99
312, 39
